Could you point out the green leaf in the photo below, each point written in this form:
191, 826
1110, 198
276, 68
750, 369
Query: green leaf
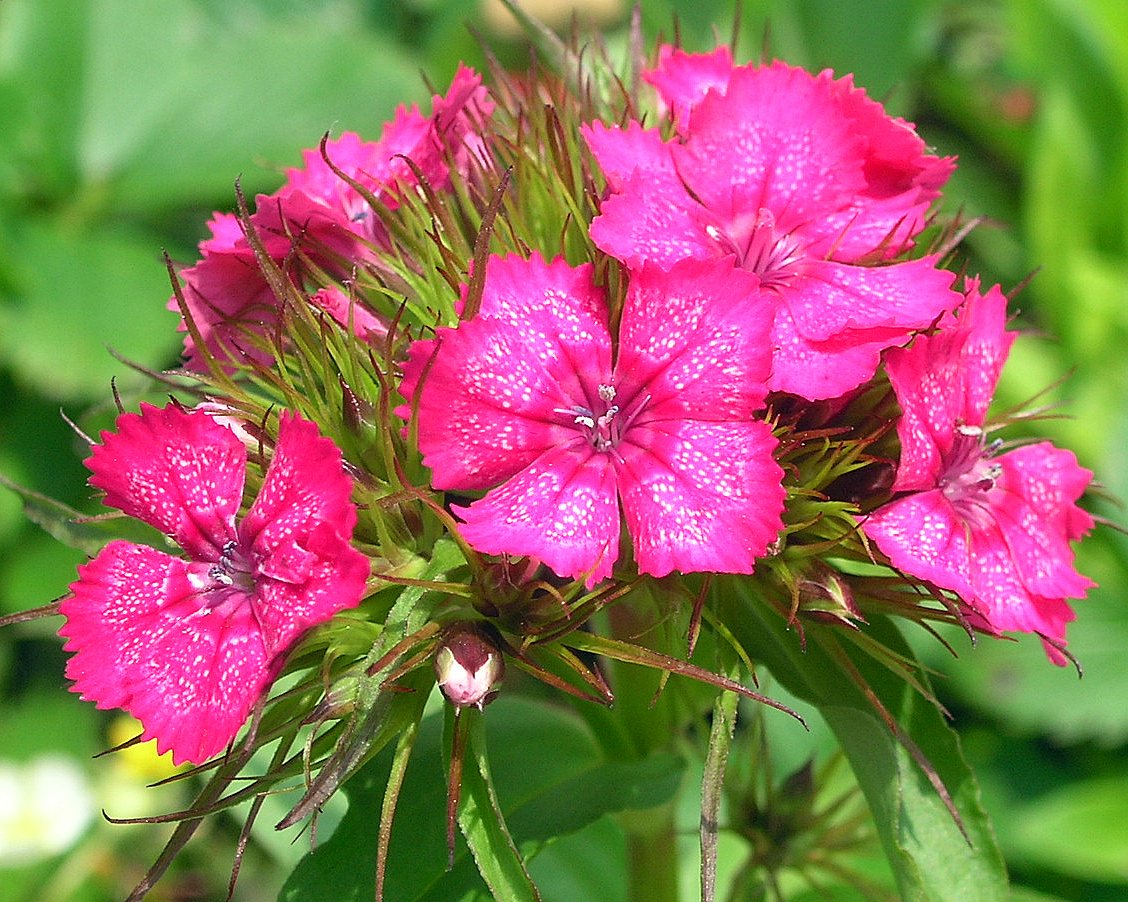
930, 858
483, 824
213, 94
78, 294
1095, 811
570, 787
73, 528
42, 66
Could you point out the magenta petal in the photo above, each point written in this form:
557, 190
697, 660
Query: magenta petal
561, 509
816, 370
1033, 504
231, 305
695, 340
923, 535
486, 407
651, 220
700, 496
683, 79
777, 139
1002, 596
180, 472
984, 347
620, 151
142, 641
835, 298
560, 313
304, 485
947, 379
334, 577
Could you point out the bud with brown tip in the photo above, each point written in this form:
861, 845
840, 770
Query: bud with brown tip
468, 667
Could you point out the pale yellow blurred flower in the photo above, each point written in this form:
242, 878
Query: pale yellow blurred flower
555, 13
46, 804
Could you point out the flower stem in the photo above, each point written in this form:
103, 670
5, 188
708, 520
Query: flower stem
652, 856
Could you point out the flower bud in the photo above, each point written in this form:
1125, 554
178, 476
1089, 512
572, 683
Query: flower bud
468, 667
825, 596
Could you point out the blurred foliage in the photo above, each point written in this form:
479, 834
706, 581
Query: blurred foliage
126, 125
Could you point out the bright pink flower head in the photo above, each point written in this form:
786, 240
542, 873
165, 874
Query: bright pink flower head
187, 645
314, 196
321, 216
993, 528
531, 401
808, 184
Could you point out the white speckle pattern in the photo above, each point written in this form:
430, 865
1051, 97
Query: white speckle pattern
672, 428
994, 530
789, 173
187, 646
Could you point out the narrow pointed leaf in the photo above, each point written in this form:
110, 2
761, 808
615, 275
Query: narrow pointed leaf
930, 858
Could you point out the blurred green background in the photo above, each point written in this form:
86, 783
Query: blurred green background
123, 125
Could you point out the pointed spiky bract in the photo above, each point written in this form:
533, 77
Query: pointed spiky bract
187, 644
993, 528
803, 181
534, 401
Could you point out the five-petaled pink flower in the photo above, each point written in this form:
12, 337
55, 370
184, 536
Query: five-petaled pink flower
802, 179
187, 645
533, 401
317, 217
993, 528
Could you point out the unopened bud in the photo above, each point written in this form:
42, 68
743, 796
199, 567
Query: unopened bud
825, 596
468, 667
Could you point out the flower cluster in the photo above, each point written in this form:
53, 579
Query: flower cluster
542, 352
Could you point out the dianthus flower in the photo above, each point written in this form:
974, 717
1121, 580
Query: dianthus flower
805, 182
320, 216
993, 528
187, 645
532, 401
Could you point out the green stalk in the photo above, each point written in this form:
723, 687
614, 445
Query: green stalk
651, 724
652, 854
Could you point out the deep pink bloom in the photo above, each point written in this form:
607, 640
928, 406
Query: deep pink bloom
321, 217
533, 401
808, 184
187, 645
993, 528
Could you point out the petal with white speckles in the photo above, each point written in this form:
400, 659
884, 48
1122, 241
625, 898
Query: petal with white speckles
923, 535
700, 496
562, 509
305, 485
1033, 504
695, 340
179, 472
486, 407
142, 642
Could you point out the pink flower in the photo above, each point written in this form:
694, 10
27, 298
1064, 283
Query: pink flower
319, 216
993, 528
808, 184
187, 645
526, 402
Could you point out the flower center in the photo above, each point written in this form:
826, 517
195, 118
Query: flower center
760, 246
969, 473
604, 423
232, 576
